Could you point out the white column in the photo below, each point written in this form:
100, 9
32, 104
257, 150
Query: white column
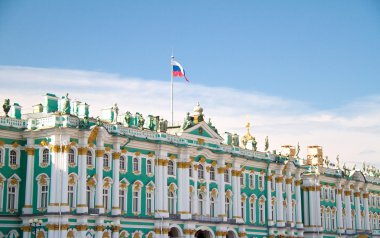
347, 195
28, 208
366, 211
298, 202
339, 210
306, 206
195, 192
63, 193
55, 152
236, 191
357, 210
279, 198
116, 179
161, 190
289, 210
82, 178
26, 234
318, 209
269, 198
99, 179
116, 229
183, 185
221, 188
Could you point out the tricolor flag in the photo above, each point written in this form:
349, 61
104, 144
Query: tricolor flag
178, 70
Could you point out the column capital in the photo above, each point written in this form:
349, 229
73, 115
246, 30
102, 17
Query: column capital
279, 179
99, 153
82, 151
30, 150
116, 155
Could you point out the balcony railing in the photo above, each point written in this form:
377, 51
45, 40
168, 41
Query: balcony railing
206, 218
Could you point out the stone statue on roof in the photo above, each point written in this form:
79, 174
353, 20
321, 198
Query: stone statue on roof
254, 144
141, 120
7, 107
66, 104
266, 143
187, 122
127, 118
298, 149
115, 110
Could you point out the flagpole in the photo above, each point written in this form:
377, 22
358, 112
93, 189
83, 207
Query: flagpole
171, 98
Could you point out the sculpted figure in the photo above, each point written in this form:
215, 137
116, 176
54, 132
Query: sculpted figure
127, 118
66, 104
235, 139
298, 149
266, 143
141, 121
187, 122
98, 121
6, 107
115, 110
254, 144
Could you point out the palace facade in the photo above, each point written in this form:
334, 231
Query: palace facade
133, 176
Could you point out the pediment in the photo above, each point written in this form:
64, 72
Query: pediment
201, 131
358, 176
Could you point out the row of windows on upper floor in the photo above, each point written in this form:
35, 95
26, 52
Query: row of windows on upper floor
13, 157
328, 194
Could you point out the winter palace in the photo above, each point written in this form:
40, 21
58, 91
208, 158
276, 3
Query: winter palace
65, 174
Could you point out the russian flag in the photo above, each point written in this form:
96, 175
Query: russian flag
178, 70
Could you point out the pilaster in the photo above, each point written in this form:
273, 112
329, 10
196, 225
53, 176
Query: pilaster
30, 151
116, 179
82, 176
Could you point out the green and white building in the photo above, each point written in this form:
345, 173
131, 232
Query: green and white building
132, 176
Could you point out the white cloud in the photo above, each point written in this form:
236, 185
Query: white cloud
350, 131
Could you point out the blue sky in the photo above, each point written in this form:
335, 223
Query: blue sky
323, 53
302, 71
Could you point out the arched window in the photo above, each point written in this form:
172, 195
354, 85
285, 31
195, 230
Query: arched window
106, 161
122, 163
89, 158
212, 206
170, 167
212, 173
1, 156
12, 188
171, 200
136, 165
12, 158
45, 156
149, 168
200, 203
71, 156
201, 172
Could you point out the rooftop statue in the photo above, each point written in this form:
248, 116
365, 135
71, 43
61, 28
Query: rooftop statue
298, 149
115, 110
127, 118
266, 143
235, 140
254, 144
66, 104
98, 121
338, 161
187, 122
244, 141
209, 123
6, 106
163, 125
141, 121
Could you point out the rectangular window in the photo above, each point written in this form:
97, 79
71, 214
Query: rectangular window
252, 180
11, 198
242, 179
105, 199
149, 203
261, 181
70, 198
44, 196
122, 200
135, 201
